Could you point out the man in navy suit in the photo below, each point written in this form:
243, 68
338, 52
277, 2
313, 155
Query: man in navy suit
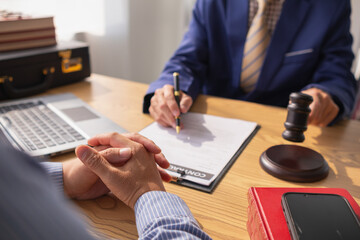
309, 51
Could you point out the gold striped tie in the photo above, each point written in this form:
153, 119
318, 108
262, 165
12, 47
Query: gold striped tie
257, 41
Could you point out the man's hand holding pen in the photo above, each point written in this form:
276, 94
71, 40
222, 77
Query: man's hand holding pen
164, 108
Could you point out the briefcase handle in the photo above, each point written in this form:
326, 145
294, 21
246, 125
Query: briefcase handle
12, 92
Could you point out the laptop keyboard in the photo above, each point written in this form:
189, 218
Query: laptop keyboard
37, 126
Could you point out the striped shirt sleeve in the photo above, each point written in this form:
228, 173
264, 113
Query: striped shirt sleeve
162, 215
55, 171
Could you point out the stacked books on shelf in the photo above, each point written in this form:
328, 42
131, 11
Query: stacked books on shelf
18, 31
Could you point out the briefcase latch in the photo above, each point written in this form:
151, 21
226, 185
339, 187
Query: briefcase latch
4, 78
68, 64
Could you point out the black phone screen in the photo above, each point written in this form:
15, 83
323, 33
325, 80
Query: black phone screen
320, 216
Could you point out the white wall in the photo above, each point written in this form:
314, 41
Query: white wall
155, 30
130, 39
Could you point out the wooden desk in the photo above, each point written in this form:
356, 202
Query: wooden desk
222, 214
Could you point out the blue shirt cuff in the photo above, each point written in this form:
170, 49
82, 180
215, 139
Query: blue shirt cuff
162, 215
55, 172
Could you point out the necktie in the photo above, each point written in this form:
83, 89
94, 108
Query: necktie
257, 41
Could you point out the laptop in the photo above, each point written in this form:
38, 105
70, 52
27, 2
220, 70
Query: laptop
51, 125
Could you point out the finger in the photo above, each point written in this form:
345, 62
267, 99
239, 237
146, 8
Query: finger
123, 140
163, 123
164, 175
166, 110
323, 111
117, 155
329, 114
160, 111
185, 102
93, 160
113, 139
170, 100
161, 160
316, 109
311, 114
157, 117
147, 143
317, 112
100, 148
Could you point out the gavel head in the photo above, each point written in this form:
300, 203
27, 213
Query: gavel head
296, 121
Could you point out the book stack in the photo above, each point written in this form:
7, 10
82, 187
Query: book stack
18, 31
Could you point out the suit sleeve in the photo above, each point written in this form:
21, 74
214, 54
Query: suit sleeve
333, 74
189, 60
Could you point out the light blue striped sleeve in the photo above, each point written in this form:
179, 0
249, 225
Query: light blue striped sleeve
162, 215
55, 171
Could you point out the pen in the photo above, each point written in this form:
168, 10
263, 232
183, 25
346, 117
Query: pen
176, 176
177, 98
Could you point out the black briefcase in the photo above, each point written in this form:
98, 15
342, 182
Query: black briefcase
32, 71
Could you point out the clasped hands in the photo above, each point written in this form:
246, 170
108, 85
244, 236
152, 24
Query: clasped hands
128, 165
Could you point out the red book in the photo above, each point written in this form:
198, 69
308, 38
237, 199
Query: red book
266, 219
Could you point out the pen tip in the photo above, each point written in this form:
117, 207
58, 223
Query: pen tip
177, 129
175, 74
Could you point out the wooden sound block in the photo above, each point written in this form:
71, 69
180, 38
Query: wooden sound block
294, 163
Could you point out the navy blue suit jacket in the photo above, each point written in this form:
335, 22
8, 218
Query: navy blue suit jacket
310, 47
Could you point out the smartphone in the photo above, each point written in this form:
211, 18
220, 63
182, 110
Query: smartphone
319, 216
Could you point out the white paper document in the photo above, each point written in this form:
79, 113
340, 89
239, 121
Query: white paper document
203, 147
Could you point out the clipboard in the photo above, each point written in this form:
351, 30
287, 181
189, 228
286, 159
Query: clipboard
205, 148
214, 184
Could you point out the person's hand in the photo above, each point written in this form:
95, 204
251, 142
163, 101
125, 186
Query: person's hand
129, 181
323, 108
163, 107
106, 140
81, 183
